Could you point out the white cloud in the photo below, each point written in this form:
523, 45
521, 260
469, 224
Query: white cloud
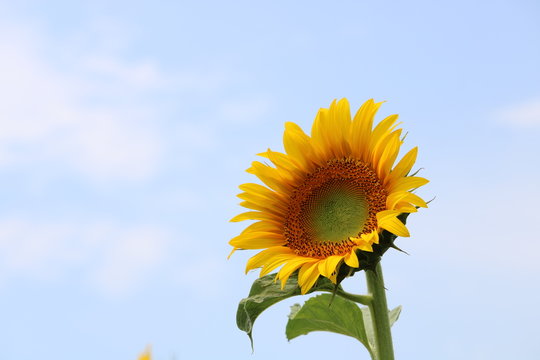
525, 114
128, 256
114, 260
30, 250
89, 121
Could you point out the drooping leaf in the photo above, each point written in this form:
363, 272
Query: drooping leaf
342, 316
368, 326
265, 292
393, 316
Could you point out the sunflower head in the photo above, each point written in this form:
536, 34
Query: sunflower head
333, 202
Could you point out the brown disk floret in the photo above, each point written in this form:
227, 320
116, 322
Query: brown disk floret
351, 173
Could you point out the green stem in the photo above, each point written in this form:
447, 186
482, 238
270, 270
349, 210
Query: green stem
360, 299
379, 314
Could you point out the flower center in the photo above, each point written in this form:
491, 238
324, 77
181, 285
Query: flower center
337, 210
337, 201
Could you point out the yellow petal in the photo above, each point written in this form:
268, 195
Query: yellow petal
386, 214
270, 176
321, 133
351, 259
328, 265
375, 235
395, 226
265, 207
259, 190
307, 276
232, 252
286, 166
256, 215
274, 263
405, 207
389, 155
395, 198
408, 183
264, 226
340, 125
371, 238
247, 236
264, 256
403, 166
415, 200
400, 199
381, 130
291, 267
257, 241
263, 201
298, 145
361, 129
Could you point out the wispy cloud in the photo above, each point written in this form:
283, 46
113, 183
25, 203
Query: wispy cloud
48, 115
127, 257
115, 260
524, 114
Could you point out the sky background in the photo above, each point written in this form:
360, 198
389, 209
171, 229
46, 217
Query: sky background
126, 127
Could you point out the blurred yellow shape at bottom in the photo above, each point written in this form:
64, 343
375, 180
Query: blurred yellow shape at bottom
146, 355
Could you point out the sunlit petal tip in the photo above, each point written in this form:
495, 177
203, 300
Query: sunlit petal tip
264, 154
232, 252
343, 102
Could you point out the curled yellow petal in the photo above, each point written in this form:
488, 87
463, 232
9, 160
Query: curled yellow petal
352, 260
395, 226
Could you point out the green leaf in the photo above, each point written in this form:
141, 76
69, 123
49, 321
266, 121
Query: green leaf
265, 292
294, 310
368, 326
321, 313
338, 315
393, 316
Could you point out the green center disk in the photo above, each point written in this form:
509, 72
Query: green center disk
336, 211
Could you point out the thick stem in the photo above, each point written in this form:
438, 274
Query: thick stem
379, 314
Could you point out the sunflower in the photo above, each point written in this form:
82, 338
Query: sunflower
328, 196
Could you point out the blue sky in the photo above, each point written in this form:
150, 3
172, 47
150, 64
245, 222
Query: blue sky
126, 127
